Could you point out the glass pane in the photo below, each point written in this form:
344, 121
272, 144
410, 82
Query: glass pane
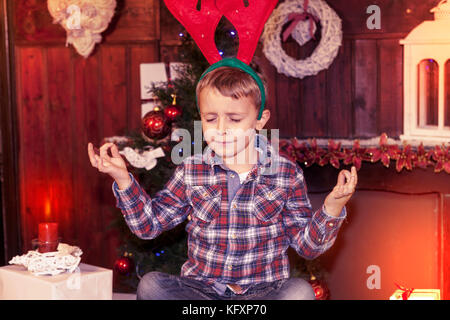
428, 90
447, 95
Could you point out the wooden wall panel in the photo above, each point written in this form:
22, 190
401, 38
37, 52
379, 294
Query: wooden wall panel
32, 121
339, 99
59, 139
365, 87
113, 117
138, 54
87, 187
390, 112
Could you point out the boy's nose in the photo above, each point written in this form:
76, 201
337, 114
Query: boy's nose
221, 127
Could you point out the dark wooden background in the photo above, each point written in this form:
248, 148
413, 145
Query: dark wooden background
63, 101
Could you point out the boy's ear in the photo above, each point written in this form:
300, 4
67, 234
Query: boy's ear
264, 118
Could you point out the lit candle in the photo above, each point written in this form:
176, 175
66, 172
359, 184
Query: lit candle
48, 232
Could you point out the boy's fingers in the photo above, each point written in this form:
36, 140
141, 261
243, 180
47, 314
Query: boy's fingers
104, 150
91, 154
344, 177
115, 151
99, 163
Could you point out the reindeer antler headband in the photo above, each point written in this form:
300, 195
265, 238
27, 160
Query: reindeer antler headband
200, 19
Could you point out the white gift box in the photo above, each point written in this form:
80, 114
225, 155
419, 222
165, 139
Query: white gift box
87, 282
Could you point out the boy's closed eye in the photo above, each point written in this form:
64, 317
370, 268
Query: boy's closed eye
214, 119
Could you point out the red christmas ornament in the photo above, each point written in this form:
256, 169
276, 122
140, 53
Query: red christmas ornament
321, 291
172, 112
155, 124
124, 265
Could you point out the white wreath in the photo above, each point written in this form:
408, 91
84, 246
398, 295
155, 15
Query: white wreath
322, 56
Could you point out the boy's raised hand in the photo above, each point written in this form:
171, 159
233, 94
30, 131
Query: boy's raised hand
342, 192
113, 165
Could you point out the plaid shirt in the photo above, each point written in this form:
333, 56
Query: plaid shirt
240, 240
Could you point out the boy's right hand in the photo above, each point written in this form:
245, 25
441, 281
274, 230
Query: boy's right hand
115, 166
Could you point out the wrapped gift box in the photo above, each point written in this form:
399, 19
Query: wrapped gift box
86, 283
418, 294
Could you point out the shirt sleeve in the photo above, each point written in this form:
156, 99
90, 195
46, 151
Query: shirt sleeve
310, 232
148, 217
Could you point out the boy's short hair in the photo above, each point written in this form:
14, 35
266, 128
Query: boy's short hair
234, 83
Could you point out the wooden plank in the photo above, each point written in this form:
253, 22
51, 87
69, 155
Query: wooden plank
113, 116
339, 94
390, 84
313, 111
270, 74
34, 24
87, 187
32, 120
288, 97
445, 272
396, 16
135, 20
59, 141
365, 88
10, 222
447, 94
169, 26
138, 54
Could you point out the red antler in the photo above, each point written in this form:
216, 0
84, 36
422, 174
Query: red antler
200, 18
248, 17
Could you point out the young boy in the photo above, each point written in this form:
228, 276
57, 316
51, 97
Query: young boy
245, 204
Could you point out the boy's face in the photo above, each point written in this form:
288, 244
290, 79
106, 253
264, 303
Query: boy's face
229, 124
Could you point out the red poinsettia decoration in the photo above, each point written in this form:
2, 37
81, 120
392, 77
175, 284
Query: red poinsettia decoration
313, 154
423, 157
442, 157
356, 155
385, 152
287, 150
300, 150
333, 155
405, 158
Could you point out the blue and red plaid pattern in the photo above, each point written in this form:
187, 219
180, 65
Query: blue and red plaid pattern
245, 243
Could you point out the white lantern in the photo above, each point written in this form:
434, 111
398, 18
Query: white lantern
427, 78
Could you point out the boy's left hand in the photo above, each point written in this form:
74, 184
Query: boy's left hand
342, 192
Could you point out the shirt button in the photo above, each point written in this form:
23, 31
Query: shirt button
230, 267
232, 175
330, 224
233, 236
234, 206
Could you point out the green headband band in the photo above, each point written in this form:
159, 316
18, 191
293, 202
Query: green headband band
235, 63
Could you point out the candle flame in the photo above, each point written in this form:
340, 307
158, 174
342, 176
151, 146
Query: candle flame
47, 209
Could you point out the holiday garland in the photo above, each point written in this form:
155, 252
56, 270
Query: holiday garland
406, 157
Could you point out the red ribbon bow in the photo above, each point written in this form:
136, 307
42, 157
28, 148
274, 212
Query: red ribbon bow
406, 292
297, 17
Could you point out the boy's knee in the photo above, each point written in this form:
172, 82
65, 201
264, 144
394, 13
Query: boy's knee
298, 289
149, 286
